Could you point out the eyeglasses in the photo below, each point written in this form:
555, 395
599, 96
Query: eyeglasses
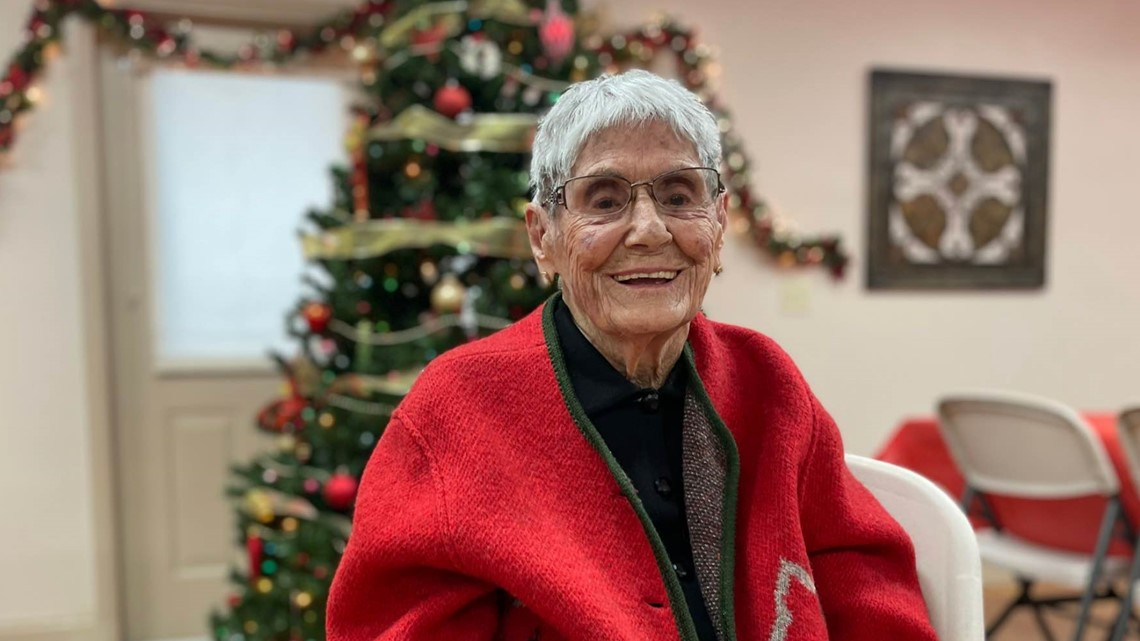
682, 190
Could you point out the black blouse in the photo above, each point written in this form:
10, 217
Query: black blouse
642, 428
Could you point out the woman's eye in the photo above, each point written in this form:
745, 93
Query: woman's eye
604, 203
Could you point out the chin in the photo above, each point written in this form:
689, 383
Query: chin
649, 319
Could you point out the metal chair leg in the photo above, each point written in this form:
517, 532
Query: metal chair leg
1108, 523
1020, 600
1045, 631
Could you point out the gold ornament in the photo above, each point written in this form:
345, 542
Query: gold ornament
289, 524
517, 281
306, 374
287, 443
354, 139
250, 627
303, 600
448, 295
259, 505
264, 586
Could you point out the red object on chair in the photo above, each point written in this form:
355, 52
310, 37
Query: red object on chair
1069, 524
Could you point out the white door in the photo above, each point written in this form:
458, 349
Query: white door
190, 364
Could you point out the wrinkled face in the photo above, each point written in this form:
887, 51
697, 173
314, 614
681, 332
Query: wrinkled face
640, 271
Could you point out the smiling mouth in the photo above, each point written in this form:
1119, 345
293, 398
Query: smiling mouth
647, 279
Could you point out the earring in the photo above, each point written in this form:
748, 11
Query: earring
718, 270
547, 277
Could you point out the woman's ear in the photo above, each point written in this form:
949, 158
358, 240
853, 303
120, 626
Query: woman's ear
722, 219
538, 226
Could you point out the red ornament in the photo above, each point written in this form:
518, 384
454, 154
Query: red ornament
433, 35
18, 77
286, 40
279, 415
452, 99
340, 491
318, 316
290, 412
234, 601
556, 32
302, 559
430, 39
425, 210
255, 547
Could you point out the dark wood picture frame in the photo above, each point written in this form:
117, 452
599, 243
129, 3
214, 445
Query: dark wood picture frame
958, 171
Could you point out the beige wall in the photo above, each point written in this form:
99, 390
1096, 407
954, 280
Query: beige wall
47, 531
795, 74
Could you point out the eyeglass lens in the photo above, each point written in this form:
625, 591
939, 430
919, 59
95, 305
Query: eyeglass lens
682, 190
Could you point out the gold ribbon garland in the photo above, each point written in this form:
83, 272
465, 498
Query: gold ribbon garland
498, 237
513, 12
427, 328
495, 132
363, 385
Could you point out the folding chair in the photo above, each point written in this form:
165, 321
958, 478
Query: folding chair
1128, 429
946, 553
1022, 446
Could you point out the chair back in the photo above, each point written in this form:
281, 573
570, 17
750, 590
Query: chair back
1128, 428
1024, 446
946, 551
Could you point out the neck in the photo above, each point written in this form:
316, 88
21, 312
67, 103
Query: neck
645, 360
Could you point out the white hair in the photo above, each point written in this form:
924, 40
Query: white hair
631, 98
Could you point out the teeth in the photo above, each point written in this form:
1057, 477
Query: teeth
666, 275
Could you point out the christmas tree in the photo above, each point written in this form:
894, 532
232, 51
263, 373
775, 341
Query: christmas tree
423, 249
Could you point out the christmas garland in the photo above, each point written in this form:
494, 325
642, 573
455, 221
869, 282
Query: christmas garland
359, 31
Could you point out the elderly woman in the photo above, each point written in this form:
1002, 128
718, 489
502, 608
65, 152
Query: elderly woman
616, 467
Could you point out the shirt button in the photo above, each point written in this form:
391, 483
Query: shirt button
681, 572
663, 487
649, 401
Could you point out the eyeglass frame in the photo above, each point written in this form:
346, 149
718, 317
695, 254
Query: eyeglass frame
558, 196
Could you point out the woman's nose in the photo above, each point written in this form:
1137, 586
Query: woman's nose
647, 227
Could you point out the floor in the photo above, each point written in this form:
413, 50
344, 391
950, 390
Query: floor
1022, 626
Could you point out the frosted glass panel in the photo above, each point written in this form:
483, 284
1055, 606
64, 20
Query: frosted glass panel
237, 159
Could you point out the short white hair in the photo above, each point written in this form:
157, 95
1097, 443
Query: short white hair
627, 99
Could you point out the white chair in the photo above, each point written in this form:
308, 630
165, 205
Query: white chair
946, 553
1016, 445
